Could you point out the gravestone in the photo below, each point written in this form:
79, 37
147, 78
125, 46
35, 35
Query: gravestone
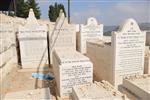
92, 30
62, 35
128, 47
71, 68
33, 43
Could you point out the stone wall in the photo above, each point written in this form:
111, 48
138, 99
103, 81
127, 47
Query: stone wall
147, 63
8, 53
148, 38
100, 55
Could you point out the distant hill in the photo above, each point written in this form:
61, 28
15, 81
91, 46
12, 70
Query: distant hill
109, 29
144, 26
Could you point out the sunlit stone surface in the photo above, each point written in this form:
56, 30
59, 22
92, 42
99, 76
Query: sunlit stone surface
37, 94
71, 68
92, 30
62, 35
139, 86
97, 91
33, 43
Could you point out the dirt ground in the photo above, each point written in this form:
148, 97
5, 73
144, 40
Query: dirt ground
20, 79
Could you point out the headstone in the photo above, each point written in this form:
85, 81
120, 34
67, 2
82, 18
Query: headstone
71, 68
97, 91
92, 30
128, 47
99, 53
33, 43
62, 35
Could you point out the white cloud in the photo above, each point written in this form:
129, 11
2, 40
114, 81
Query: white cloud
139, 11
81, 16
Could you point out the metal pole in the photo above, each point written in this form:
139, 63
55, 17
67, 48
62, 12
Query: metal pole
14, 1
13, 6
68, 11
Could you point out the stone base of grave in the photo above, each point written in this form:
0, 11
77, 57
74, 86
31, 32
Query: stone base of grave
36, 94
6, 69
62, 98
34, 69
42, 65
128, 93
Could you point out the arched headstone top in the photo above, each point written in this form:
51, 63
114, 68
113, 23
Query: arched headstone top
61, 18
31, 13
129, 25
92, 21
61, 13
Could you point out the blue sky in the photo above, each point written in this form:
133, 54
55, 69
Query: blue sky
108, 12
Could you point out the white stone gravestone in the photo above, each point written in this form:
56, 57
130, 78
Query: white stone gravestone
62, 35
33, 43
128, 47
123, 56
92, 30
71, 68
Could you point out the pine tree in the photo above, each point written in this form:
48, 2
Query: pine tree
54, 10
32, 4
23, 8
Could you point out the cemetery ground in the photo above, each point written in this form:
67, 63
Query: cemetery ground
21, 80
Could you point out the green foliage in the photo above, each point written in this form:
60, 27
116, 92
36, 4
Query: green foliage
22, 8
32, 4
54, 10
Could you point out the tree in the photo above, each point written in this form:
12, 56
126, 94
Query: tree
22, 8
54, 10
32, 4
